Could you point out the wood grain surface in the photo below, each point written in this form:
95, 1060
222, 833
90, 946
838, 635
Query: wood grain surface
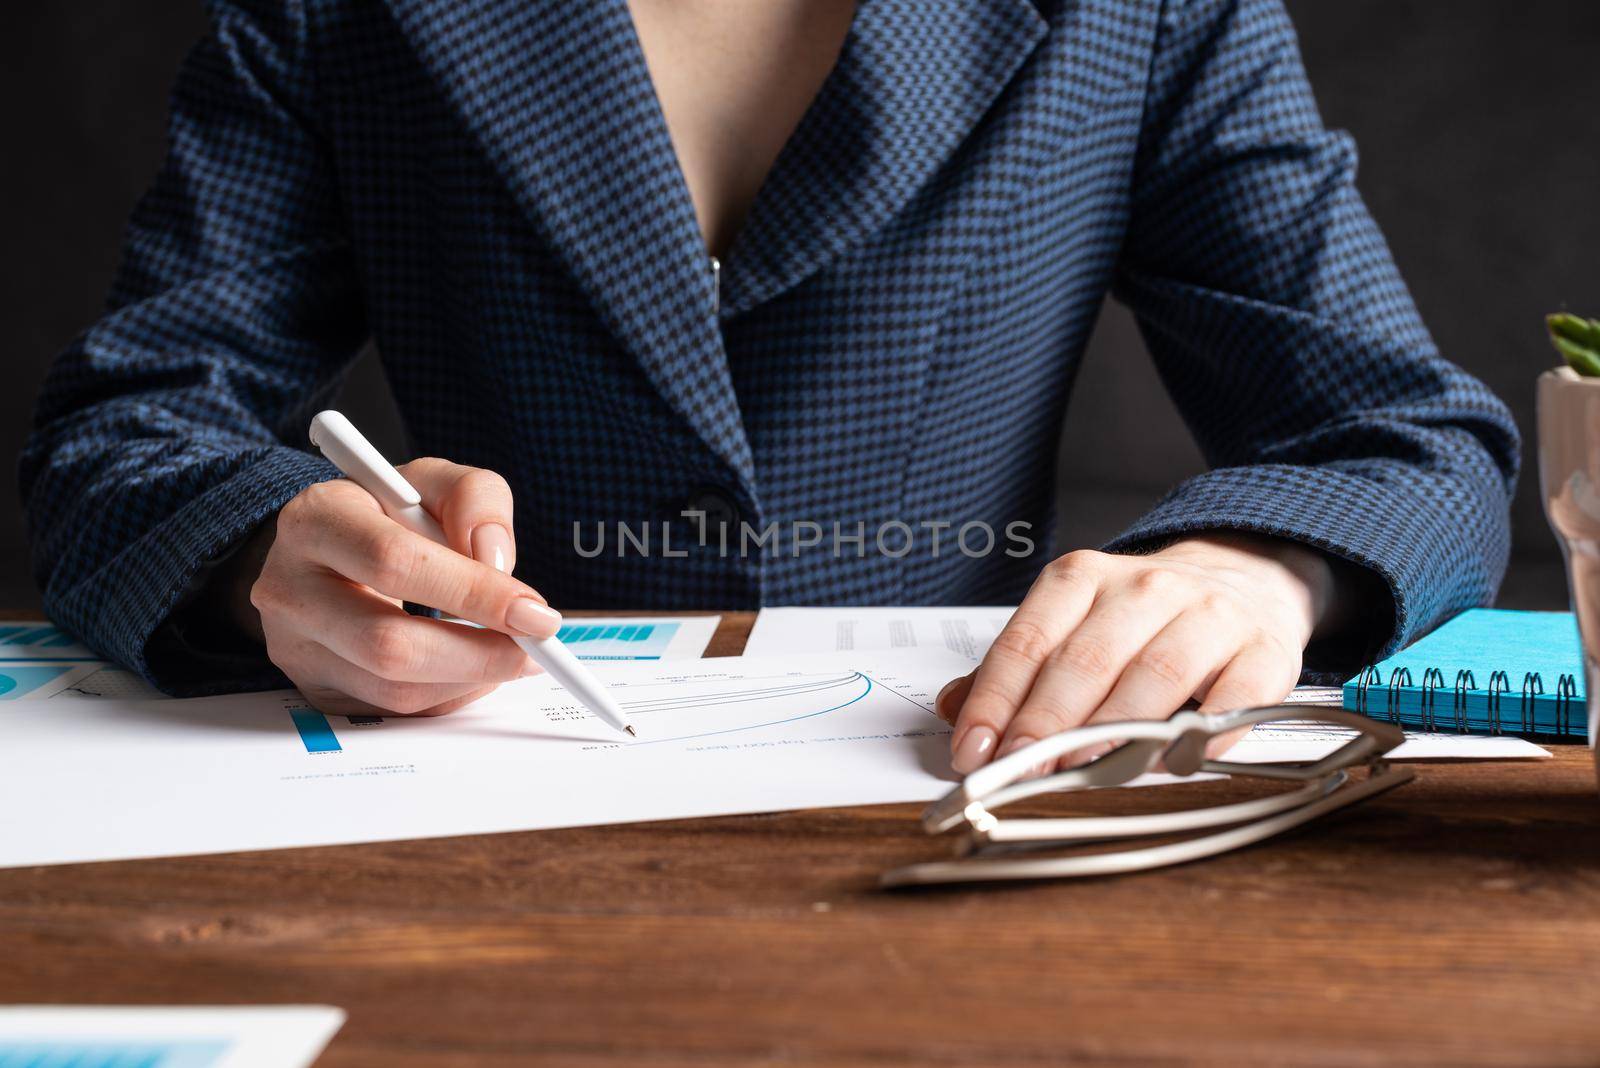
1455, 921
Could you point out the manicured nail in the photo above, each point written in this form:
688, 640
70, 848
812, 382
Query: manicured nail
532, 618
972, 752
492, 545
938, 702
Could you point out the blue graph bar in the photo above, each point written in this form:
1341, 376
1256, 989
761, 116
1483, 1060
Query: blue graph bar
17, 681
617, 641
315, 731
578, 633
46, 635
33, 641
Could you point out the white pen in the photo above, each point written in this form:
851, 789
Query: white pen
353, 454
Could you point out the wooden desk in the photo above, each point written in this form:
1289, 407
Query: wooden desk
1456, 921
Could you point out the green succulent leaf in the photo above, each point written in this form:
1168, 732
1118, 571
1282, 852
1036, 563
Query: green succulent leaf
1578, 341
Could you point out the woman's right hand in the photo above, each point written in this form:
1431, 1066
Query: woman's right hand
330, 591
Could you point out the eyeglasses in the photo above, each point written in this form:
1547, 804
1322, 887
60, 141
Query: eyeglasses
1320, 787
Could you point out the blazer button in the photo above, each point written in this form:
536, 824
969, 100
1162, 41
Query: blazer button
718, 507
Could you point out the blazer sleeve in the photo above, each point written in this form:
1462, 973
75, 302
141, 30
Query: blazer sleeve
1283, 331
163, 434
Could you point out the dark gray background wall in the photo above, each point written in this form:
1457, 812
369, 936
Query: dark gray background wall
1481, 160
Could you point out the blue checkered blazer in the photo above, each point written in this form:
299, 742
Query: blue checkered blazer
487, 190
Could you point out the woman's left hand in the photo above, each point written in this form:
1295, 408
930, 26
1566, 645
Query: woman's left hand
1222, 619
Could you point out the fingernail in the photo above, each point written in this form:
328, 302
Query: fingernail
938, 702
492, 545
532, 618
973, 750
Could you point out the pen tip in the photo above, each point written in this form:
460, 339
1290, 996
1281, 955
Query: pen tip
631, 732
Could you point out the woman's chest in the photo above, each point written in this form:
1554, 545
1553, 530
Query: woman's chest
734, 79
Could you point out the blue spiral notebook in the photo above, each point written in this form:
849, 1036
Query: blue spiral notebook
1486, 671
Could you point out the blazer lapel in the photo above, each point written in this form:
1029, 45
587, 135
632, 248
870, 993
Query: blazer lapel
559, 97
911, 82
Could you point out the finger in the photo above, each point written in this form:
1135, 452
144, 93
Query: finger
365, 629
334, 684
473, 506
948, 704
1173, 666
367, 547
1080, 673
337, 704
1055, 605
1262, 673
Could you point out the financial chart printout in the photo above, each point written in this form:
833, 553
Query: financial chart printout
113, 779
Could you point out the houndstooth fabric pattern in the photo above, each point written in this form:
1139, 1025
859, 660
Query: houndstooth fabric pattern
487, 190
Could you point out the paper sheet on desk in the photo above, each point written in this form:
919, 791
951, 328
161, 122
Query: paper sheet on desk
969, 631
1308, 741
100, 780
106, 780
39, 660
1302, 741
966, 631
112, 779
102, 1036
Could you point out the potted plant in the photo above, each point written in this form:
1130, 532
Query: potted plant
1569, 476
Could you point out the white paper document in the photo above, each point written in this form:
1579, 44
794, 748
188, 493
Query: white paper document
40, 660
93, 1036
1302, 740
966, 631
970, 632
111, 779
36, 680
116, 779
1293, 741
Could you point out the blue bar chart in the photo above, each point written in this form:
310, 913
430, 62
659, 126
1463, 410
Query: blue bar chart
19, 681
40, 641
315, 731
633, 641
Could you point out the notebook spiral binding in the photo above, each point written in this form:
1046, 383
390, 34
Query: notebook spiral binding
1433, 682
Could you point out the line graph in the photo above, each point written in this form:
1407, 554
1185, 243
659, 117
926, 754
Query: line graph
685, 706
741, 698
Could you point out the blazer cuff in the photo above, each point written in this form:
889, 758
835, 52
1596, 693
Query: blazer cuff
1354, 518
152, 577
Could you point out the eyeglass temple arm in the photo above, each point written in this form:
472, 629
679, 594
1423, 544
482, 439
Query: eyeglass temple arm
1123, 764
1187, 732
1186, 755
1115, 863
949, 810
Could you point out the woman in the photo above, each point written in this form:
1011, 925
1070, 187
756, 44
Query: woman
756, 273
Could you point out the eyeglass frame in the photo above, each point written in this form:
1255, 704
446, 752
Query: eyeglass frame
1179, 743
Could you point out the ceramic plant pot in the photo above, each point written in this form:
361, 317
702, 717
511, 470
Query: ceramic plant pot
1569, 476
